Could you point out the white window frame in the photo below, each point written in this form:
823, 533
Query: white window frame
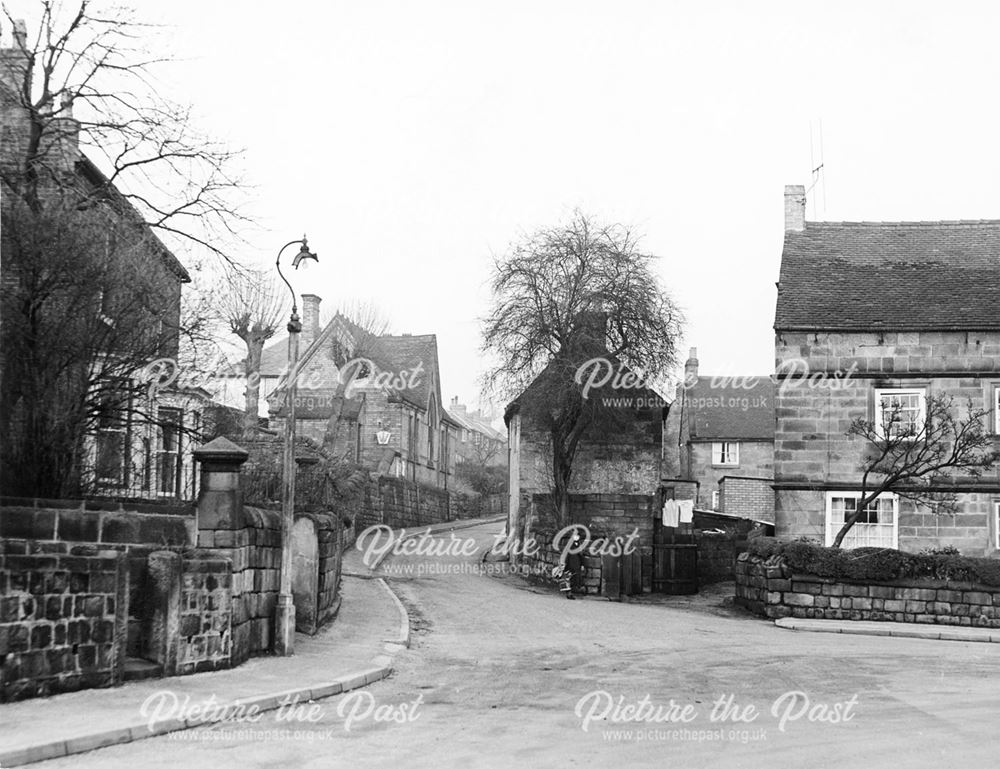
889, 391
996, 410
996, 525
726, 453
715, 500
832, 528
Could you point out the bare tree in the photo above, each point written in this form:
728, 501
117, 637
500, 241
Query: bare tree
84, 79
920, 459
563, 296
252, 306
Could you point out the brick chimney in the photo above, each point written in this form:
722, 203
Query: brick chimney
310, 320
456, 407
795, 208
691, 368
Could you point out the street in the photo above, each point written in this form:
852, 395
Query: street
502, 674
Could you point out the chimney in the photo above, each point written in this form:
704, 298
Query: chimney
310, 320
691, 368
589, 333
795, 208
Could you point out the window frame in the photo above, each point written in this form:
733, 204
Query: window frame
996, 524
879, 420
716, 500
831, 531
734, 451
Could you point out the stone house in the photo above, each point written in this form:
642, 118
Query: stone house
720, 435
477, 440
142, 448
373, 400
618, 454
869, 316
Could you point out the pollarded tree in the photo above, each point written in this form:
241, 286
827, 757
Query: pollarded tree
252, 305
564, 296
919, 456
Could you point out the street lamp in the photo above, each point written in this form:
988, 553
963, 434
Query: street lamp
284, 612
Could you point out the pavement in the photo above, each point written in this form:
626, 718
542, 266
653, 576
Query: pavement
892, 629
354, 651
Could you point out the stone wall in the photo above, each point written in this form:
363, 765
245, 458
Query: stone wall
406, 504
540, 563
813, 453
83, 585
63, 617
768, 587
607, 517
254, 552
204, 641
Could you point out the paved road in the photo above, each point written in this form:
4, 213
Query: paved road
499, 672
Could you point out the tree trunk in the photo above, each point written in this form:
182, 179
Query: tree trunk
255, 347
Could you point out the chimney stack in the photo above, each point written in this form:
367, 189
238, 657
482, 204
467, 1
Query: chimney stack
310, 319
691, 368
795, 208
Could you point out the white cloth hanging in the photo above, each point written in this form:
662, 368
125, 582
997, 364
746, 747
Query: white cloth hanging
671, 513
686, 511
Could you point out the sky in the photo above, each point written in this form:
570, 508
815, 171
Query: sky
414, 142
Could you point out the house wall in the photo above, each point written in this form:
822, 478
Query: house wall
756, 460
814, 454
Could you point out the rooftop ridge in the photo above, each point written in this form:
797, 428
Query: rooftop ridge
928, 223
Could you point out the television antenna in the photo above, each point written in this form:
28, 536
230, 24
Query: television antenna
817, 173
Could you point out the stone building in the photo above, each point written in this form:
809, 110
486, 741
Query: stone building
374, 400
720, 435
872, 315
619, 453
477, 441
139, 441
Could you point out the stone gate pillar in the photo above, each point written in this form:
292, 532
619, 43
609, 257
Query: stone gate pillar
220, 500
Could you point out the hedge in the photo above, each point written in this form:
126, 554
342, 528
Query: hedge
875, 564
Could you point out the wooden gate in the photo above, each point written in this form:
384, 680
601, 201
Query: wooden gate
675, 554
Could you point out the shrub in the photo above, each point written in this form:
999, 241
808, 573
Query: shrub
873, 564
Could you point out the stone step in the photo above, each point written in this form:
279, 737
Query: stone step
138, 669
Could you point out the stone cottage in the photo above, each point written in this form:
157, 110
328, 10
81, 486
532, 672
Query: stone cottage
872, 315
720, 435
619, 452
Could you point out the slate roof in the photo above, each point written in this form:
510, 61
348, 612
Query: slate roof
902, 276
396, 355
469, 422
724, 408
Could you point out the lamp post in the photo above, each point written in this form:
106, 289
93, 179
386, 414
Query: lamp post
284, 612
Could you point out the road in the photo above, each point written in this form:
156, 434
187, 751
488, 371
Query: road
504, 675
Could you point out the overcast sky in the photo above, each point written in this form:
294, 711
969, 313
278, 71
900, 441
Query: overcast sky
413, 141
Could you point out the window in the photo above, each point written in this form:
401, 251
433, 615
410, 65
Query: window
878, 525
111, 442
900, 413
725, 453
715, 500
996, 525
996, 409
169, 451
